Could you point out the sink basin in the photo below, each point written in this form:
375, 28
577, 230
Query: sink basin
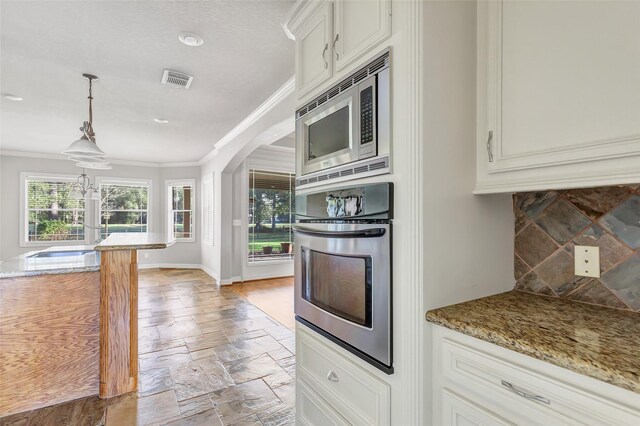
62, 253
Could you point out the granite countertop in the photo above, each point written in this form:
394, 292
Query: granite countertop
135, 241
25, 265
599, 342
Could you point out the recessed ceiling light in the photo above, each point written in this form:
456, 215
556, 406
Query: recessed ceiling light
13, 98
190, 39
160, 120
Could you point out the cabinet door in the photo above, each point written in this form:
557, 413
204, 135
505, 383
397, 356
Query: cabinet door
562, 83
459, 411
311, 409
360, 25
314, 51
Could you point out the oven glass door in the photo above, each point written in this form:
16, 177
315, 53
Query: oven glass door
343, 283
339, 284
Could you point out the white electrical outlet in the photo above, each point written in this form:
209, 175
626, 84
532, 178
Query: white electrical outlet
587, 261
237, 222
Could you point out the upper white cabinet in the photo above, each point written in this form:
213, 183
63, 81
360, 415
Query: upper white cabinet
359, 26
558, 94
314, 49
331, 35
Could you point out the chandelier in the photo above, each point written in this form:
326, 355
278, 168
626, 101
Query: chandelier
86, 153
83, 186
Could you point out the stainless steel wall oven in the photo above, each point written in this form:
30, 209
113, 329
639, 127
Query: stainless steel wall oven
343, 268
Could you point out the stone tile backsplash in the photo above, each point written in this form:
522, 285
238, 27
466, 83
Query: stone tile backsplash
548, 226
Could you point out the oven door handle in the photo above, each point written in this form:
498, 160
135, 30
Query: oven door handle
363, 233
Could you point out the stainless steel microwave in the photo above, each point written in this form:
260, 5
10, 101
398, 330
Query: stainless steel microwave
348, 123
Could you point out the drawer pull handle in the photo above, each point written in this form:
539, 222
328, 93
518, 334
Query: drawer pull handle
333, 377
525, 394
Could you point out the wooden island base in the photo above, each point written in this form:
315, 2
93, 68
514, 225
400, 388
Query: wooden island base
118, 322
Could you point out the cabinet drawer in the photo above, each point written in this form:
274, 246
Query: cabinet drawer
500, 382
311, 409
356, 394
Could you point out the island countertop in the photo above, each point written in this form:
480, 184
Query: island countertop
27, 265
135, 241
599, 342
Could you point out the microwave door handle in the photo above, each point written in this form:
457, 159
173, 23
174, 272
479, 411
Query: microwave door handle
364, 233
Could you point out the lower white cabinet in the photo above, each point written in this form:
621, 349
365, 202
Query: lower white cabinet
478, 383
332, 389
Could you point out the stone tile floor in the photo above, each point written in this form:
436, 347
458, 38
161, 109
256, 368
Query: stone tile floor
207, 357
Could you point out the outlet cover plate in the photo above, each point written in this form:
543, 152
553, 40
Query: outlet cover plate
587, 261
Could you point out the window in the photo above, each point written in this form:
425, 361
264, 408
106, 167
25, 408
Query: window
271, 212
180, 200
124, 207
207, 209
50, 214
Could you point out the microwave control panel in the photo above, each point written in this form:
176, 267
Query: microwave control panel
366, 116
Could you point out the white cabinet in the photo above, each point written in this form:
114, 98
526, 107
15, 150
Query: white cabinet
359, 26
477, 383
459, 411
314, 50
336, 387
311, 409
558, 94
332, 35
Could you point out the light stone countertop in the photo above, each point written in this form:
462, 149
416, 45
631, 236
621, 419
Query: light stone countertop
603, 343
135, 241
25, 265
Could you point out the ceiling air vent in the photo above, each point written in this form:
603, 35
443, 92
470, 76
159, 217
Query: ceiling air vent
176, 79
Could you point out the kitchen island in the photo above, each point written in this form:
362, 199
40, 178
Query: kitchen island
68, 322
119, 309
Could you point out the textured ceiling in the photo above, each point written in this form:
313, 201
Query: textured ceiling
47, 45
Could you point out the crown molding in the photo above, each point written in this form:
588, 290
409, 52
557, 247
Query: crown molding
275, 148
297, 15
285, 90
49, 156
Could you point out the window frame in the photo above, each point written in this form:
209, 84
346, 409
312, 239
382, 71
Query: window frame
24, 210
169, 185
246, 191
101, 180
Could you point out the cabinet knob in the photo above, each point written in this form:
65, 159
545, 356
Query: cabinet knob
332, 376
324, 52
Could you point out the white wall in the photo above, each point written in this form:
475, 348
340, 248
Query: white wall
468, 239
183, 253
269, 123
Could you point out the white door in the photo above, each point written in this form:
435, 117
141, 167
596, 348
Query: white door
360, 25
314, 51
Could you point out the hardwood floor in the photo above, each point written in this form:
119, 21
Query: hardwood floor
206, 356
273, 296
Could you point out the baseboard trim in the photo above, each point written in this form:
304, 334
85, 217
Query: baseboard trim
226, 281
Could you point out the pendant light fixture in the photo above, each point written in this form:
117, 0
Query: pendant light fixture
85, 150
83, 186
